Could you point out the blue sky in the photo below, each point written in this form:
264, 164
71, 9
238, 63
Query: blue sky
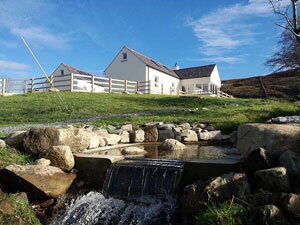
87, 34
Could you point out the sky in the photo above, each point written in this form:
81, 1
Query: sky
87, 34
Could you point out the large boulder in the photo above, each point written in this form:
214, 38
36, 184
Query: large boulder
270, 215
275, 138
290, 203
254, 161
37, 180
37, 140
60, 156
124, 137
127, 127
165, 134
210, 135
15, 140
151, 133
225, 187
189, 136
171, 145
137, 136
274, 179
112, 139
291, 161
94, 139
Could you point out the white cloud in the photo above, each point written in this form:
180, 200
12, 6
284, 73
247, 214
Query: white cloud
8, 65
229, 28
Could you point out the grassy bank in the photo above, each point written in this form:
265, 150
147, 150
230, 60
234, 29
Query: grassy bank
225, 113
10, 156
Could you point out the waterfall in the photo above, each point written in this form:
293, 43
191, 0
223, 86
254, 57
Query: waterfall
136, 192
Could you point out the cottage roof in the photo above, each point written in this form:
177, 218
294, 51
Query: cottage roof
153, 64
76, 71
195, 72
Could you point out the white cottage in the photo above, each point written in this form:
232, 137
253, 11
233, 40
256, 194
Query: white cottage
131, 65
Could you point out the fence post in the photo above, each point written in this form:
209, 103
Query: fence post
109, 85
32, 84
72, 82
137, 86
93, 82
3, 86
125, 85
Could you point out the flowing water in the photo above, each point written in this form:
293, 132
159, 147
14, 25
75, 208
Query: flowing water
144, 193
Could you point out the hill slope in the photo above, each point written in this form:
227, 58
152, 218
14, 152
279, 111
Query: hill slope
279, 85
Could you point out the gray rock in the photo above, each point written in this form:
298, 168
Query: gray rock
60, 156
274, 179
254, 161
127, 127
226, 186
171, 145
110, 127
124, 137
177, 134
233, 137
115, 131
15, 140
275, 138
2, 144
165, 134
210, 128
189, 136
112, 139
37, 180
137, 136
43, 162
210, 135
133, 151
151, 133
291, 161
285, 119
165, 126
270, 215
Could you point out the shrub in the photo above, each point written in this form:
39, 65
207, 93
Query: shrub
225, 214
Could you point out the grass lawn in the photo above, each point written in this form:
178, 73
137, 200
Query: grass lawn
10, 156
226, 114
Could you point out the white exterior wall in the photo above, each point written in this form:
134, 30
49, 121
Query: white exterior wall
132, 69
189, 84
215, 77
56, 75
164, 82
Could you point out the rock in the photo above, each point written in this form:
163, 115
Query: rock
133, 151
2, 144
151, 133
274, 179
137, 136
38, 181
101, 132
226, 186
210, 135
112, 139
209, 128
177, 134
110, 127
127, 127
117, 131
60, 156
171, 145
254, 161
15, 140
285, 119
233, 137
270, 215
94, 140
189, 136
54, 90
102, 142
165, 134
125, 138
291, 161
290, 203
37, 140
185, 126
43, 162
275, 138
165, 126
193, 197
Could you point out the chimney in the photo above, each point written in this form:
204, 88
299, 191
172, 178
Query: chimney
175, 67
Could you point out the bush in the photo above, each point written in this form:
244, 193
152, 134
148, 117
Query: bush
225, 214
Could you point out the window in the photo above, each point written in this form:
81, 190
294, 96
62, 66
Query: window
62, 72
156, 81
173, 84
124, 56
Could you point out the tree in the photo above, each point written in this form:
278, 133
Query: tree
288, 54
